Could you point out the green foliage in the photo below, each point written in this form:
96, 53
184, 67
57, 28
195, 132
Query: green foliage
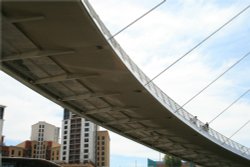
172, 161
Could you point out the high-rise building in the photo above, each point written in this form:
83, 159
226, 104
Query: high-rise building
44, 134
78, 139
1, 122
43, 131
103, 149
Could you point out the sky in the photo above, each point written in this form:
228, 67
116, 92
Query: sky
154, 42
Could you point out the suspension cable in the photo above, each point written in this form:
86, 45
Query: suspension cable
217, 30
138, 19
229, 106
237, 62
239, 129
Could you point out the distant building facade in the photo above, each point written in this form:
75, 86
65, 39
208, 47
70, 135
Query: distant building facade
103, 149
78, 139
43, 144
43, 131
55, 152
28, 149
43, 135
1, 122
12, 151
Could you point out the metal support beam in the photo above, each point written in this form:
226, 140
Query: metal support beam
109, 109
122, 121
142, 129
99, 110
177, 150
135, 130
190, 155
35, 54
21, 19
151, 138
87, 96
126, 120
205, 160
63, 77
214, 163
166, 144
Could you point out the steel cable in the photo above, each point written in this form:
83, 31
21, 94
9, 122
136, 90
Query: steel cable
217, 30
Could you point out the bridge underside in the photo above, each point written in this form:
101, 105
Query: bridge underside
56, 49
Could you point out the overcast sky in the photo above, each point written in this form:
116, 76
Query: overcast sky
153, 43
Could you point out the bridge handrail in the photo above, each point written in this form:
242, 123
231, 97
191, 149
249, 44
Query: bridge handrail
164, 98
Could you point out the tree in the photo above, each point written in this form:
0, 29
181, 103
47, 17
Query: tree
172, 161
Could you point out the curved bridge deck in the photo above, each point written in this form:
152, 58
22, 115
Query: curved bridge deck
62, 50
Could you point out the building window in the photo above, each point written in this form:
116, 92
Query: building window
86, 156
65, 132
86, 140
12, 152
103, 137
103, 158
65, 122
65, 127
86, 135
86, 129
86, 150
86, 124
64, 153
64, 147
65, 142
103, 164
65, 137
64, 158
86, 145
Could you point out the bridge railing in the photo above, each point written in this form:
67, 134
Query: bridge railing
169, 103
